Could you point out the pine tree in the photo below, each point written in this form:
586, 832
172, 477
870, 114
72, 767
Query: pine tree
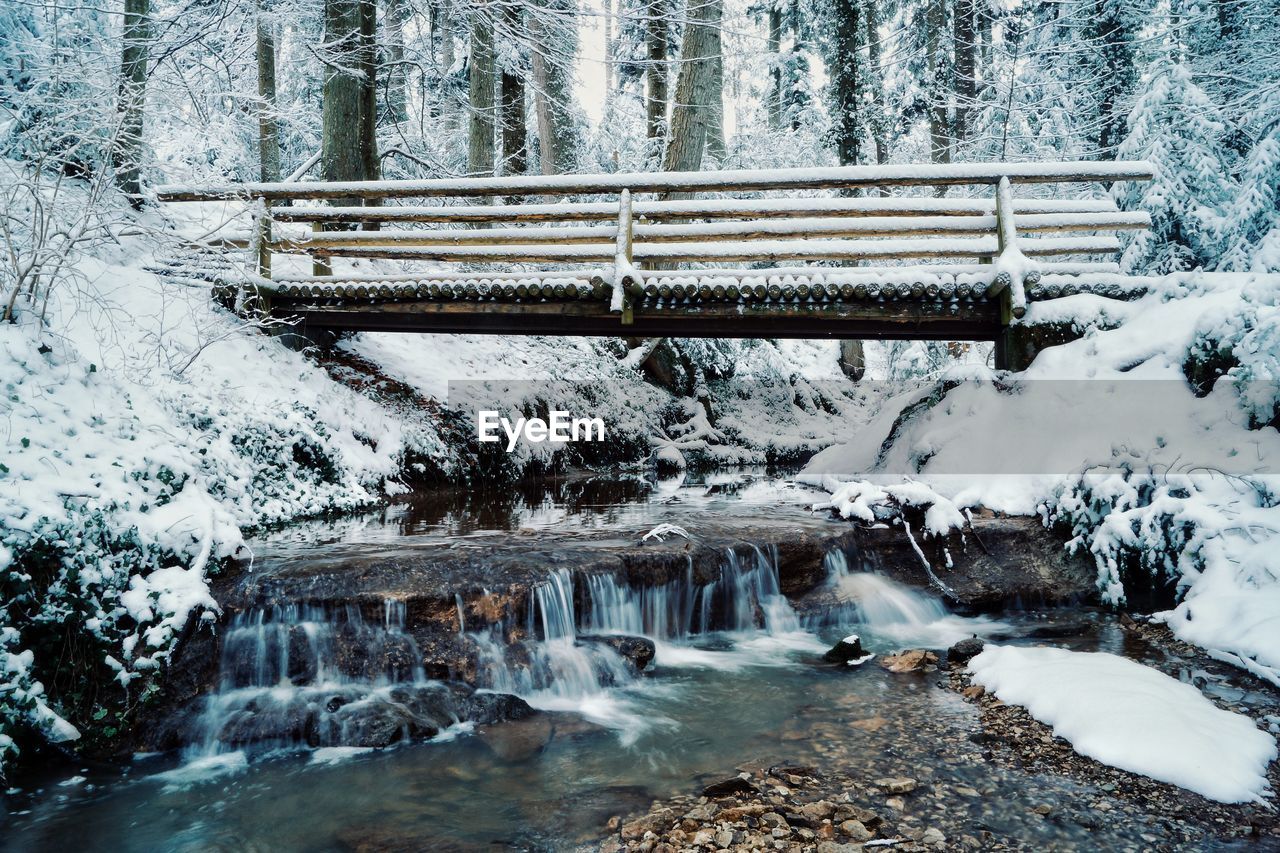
1252, 229
1175, 126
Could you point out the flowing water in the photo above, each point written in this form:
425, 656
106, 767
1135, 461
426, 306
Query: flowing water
737, 681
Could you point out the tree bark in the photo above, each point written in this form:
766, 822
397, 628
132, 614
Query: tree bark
691, 117
880, 117
936, 85
1116, 74
447, 102
126, 157
268, 108
369, 89
609, 73
515, 156
350, 146
397, 108
656, 71
716, 146
844, 70
966, 84
553, 43
481, 85
773, 106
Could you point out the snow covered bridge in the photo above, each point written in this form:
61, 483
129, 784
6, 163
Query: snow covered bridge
757, 255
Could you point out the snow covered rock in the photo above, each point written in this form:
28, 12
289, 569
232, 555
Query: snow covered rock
1133, 717
848, 651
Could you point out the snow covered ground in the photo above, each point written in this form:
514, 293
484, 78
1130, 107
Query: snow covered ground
1133, 717
1152, 480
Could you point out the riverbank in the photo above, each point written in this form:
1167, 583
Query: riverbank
835, 797
624, 675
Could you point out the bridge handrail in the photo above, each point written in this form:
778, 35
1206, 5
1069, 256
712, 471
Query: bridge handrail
729, 180
667, 230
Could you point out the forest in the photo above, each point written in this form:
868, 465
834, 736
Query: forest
157, 92
264, 589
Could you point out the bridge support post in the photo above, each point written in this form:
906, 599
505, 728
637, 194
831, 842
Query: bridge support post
853, 360
300, 337
1018, 344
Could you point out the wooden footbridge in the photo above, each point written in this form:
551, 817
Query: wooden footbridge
744, 253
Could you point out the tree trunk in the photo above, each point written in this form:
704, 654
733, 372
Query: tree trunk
880, 117
773, 105
1116, 74
480, 136
846, 75
936, 85
609, 73
447, 102
369, 89
515, 157
656, 71
126, 158
268, 108
349, 145
553, 43
397, 109
986, 27
691, 117
966, 84
716, 146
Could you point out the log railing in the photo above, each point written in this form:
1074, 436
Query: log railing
608, 243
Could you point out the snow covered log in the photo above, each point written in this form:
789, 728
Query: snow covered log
729, 180
665, 211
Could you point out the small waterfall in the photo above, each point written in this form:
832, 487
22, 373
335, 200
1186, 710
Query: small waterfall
746, 597
883, 608
303, 676
879, 602
568, 659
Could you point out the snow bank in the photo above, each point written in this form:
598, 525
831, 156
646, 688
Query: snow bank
1133, 717
142, 430
1169, 480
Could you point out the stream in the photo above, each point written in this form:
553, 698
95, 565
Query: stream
737, 681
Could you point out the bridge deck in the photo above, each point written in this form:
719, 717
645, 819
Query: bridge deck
949, 269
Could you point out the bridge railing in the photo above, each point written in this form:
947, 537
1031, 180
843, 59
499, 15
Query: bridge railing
610, 244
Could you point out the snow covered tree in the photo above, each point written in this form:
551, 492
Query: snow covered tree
1109, 70
852, 81
136, 39
1252, 228
553, 31
1176, 127
515, 126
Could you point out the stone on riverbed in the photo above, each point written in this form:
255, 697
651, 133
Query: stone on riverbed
347, 716
848, 651
729, 787
963, 651
639, 651
912, 660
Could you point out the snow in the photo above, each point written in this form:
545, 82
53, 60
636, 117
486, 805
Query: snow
637, 182
1103, 437
656, 210
921, 247
1133, 717
662, 531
